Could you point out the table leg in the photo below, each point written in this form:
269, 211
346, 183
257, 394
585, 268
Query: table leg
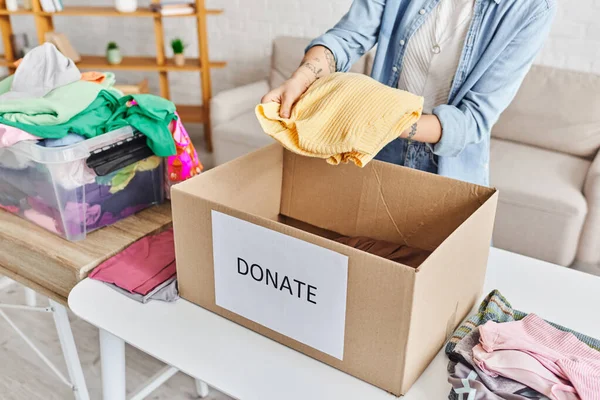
30, 297
67, 343
201, 388
112, 354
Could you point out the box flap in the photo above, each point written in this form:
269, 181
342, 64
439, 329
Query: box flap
382, 201
251, 183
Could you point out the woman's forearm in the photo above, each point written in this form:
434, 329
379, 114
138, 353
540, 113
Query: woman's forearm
429, 130
317, 63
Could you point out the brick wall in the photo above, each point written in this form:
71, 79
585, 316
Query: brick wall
243, 36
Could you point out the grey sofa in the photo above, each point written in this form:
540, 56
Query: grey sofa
543, 155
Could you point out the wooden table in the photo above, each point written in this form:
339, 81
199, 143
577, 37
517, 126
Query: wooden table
249, 366
52, 266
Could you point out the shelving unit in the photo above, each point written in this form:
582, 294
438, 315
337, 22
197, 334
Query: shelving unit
160, 63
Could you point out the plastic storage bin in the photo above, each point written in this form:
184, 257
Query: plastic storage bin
56, 188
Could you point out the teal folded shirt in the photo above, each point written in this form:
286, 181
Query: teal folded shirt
151, 116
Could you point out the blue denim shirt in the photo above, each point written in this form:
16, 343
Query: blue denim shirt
503, 41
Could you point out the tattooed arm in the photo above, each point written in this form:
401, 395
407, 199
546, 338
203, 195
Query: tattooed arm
317, 63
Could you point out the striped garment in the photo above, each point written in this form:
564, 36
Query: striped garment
496, 307
559, 352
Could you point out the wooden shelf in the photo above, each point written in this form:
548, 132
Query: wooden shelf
93, 11
143, 64
20, 11
160, 64
191, 114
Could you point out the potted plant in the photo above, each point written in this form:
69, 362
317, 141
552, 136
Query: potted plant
178, 48
113, 54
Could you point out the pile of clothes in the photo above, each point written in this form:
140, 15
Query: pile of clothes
50, 103
504, 354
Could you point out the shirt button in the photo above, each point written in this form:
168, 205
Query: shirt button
422, 12
402, 43
395, 69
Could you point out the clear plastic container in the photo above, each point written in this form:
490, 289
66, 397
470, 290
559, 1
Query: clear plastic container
55, 189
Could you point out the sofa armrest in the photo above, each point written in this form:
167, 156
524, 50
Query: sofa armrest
589, 251
232, 103
592, 181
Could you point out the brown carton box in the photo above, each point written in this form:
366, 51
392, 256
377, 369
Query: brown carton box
396, 317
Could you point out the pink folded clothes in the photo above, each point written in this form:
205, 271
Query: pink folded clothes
142, 266
525, 369
10, 135
559, 352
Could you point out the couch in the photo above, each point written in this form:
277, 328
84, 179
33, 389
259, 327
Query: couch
543, 154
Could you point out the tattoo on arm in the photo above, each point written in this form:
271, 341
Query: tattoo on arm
316, 71
330, 60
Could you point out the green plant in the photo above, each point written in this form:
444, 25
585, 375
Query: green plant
178, 46
112, 46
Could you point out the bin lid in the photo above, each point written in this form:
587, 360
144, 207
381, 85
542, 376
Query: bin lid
78, 151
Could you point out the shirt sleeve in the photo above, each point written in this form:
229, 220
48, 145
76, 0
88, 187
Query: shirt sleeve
355, 34
473, 118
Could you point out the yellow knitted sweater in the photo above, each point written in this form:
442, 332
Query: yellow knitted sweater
343, 117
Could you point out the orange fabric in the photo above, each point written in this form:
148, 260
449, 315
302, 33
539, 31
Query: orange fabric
93, 76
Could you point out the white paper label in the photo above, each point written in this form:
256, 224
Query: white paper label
285, 284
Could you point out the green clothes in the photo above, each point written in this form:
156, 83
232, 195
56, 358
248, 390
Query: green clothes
150, 116
56, 107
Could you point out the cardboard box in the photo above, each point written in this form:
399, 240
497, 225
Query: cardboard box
269, 216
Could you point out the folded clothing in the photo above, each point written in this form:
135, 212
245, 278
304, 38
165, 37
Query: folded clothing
166, 291
142, 266
525, 369
497, 384
402, 254
343, 117
561, 353
496, 307
467, 384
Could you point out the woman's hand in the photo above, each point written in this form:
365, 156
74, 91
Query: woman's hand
288, 93
317, 63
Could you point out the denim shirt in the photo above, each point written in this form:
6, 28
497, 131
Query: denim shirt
501, 45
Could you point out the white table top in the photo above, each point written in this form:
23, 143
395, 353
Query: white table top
249, 366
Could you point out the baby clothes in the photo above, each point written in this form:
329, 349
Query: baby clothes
560, 352
343, 117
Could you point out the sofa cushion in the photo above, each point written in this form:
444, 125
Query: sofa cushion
287, 55
243, 129
556, 110
541, 208
238, 137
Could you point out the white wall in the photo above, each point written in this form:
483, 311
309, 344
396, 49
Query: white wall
242, 36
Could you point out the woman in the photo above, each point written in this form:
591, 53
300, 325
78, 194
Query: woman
467, 58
